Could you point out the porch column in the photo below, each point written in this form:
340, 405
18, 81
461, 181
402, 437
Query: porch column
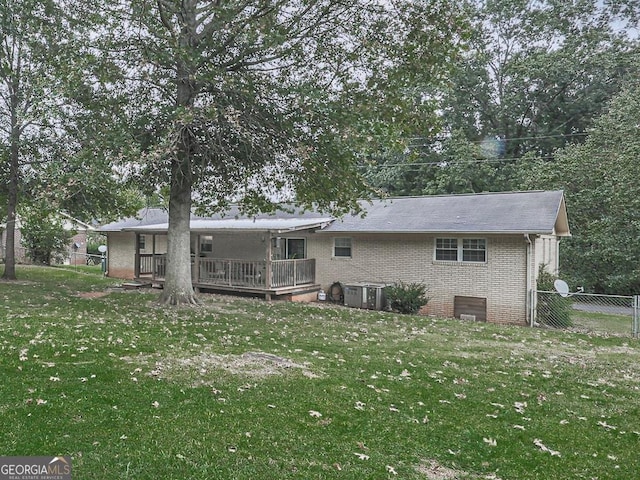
154, 269
195, 270
136, 263
267, 280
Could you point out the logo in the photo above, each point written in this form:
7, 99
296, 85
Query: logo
35, 468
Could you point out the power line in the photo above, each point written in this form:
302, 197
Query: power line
497, 137
452, 163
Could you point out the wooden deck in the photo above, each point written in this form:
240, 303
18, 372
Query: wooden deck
268, 278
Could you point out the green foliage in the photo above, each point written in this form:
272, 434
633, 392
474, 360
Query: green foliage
530, 83
94, 240
44, 236
600, 180
406, 297
552, 309
308, 90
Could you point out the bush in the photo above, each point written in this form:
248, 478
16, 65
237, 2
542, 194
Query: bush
44, 236
406, 297
552, 309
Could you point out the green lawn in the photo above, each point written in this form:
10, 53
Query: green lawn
244, 389
603, 323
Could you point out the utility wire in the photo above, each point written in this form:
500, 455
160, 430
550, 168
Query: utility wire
497, 137
444, 163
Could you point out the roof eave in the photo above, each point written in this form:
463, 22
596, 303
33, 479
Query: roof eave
443, 232
151, 229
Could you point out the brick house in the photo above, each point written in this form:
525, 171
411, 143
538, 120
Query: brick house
76, 253
478, 254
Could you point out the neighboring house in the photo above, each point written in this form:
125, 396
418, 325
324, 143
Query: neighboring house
77, 249
478, 254
76, 253
20, 252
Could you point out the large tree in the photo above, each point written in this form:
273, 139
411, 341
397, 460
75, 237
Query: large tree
536, 75
254, 101
49, 146
25, 96
600, 180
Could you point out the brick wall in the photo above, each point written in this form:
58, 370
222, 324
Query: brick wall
410, 258
502, 280
121, 254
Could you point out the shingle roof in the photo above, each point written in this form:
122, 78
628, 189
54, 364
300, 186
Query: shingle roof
156, 220
535, 212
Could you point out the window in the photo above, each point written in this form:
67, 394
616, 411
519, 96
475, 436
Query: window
447, 249
142, 242
472, 250
342, 247
296, 248
206, 243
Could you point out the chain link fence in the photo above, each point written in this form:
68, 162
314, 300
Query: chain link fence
587, 312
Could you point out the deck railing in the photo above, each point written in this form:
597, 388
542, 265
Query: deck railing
253, 274
290, 273
232, 273
153, 265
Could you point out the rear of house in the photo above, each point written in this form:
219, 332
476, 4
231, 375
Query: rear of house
477, 254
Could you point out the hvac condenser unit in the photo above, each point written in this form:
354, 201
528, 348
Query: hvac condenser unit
364, 295
353, 296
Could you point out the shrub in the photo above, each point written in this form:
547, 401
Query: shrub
406, 297
552, 308
44, 236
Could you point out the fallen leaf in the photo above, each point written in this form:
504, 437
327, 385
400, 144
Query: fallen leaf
490, 441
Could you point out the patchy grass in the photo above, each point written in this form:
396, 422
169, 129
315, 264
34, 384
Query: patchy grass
241, 388
605, 323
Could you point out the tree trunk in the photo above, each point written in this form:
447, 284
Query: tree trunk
178, 287
12, 197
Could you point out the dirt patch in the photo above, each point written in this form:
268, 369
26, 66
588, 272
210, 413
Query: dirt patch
92, 294
432, 470
203, 368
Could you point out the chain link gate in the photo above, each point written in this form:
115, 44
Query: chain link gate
586, 312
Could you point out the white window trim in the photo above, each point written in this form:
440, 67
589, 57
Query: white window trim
460, 253
343, 257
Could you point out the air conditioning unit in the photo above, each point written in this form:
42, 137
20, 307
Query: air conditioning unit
365, 295
374, 297
353, 296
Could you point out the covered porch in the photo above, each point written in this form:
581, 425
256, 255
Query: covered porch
265, 262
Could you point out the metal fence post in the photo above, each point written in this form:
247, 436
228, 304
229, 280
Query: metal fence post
636, 307
533, 298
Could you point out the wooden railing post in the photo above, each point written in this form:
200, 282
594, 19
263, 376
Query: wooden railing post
136, 265
295, 272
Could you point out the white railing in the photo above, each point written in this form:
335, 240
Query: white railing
254, 274
290, 273
232, 273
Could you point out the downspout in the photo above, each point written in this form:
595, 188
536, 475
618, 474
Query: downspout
529, 304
